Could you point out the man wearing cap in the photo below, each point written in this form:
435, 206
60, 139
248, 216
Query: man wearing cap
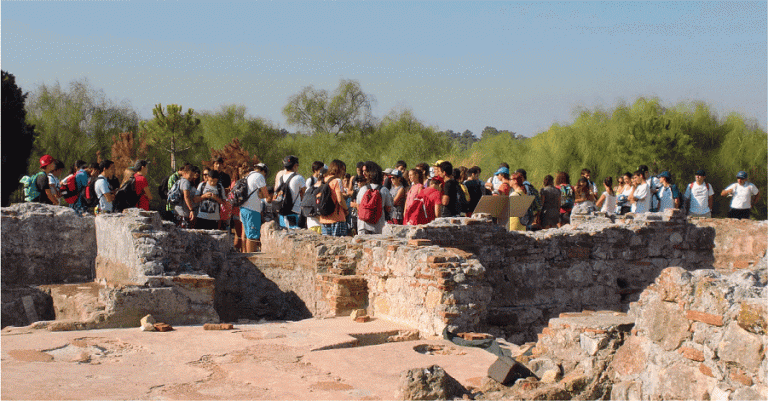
494, 182
745, 194
669, 195
141, 169
47, 196
699, 193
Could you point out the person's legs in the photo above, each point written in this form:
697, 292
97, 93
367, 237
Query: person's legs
252, 227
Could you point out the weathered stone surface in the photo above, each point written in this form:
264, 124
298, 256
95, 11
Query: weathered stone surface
631, 357
431, 383
739, 244
664, 323
741, 347
14, 311
753, 317
31, 230
679, 381
148, 319
506, 370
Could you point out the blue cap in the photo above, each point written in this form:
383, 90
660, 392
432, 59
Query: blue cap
665, 174
502, 170
742, 175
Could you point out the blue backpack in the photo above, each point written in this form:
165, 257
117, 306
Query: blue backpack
31, 191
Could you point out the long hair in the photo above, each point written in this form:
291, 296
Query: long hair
336, 167
373, 173
419, 175
562, 178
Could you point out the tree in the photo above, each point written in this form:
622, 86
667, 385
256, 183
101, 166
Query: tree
126, 150
78, 122
17, 135
346, 110
172, 130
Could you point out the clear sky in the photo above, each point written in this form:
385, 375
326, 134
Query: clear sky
458, 65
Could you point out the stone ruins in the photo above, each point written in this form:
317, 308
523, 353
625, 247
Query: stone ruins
651, 307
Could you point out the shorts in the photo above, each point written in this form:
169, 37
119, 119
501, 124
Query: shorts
205, 224
739, 214
251, 223
338, 229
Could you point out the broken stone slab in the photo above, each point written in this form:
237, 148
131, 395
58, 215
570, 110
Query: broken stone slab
507, 370
162, 327
431, 383
357, 313
218, 326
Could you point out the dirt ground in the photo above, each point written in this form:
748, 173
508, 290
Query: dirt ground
313, 359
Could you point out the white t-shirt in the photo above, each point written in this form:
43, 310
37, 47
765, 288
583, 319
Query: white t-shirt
666, 200
699, 195
255, 181
643, 197
312, 221
742, 195
102, 187
653, 182
609, 203
209, 209
54, 182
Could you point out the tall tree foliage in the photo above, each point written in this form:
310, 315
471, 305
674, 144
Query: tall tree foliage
78, 122
345, 110
17, 136
172, 130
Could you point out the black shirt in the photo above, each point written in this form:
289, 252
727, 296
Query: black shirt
451, 188
225, 180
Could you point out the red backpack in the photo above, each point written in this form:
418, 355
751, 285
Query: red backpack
68, 189
369, 208
417, 210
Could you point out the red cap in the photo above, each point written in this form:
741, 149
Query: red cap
45, 160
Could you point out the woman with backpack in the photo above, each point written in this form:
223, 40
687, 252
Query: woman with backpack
373, 201
335, 224
211, 198
584, 197
398, 197
414, 202
563, 183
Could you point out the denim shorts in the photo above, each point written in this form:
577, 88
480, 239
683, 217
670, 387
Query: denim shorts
251, 223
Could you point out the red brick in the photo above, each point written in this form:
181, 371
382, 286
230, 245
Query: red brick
163, 327
362, 319
692, 354
706, 370
740, 264
708, 318
546, 331
419, 242
740, 377
436, 259
596, 331
392, 248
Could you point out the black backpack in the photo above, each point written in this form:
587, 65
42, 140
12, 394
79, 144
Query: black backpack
126, 196
91, 199
239, 193
283, 202
163, 189
318, 201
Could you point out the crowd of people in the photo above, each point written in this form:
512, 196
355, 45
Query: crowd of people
336, 203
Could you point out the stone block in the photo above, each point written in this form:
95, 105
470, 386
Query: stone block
630, 358
218, 326
163, 327
738, 376
708, 318
506, 370
664, 323
692, 354
753, 317
363, 319
431, 383
741, 347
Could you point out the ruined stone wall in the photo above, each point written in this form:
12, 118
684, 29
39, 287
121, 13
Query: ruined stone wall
45, 244
698, 335
595, 265
739, 244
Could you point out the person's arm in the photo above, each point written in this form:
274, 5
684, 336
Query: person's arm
445, 200
147, 193
728, 191
51, 196
755, 198
264, 194
631, 196
340, 197
711, 197
109, 196
399, 197
601, 200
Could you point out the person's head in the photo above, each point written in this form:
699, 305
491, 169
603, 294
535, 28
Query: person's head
359, 168
397, 177
424, 167
244, 168
127, 174
261, 168
213, 177
186, 171
586, 173
436, 182
620, 181
181, 167
741, 177
474, 172
522, 171
206, 171
516, 181
218, 164
548, 180
504, 164
701, 175
317, 168
58, 168
80, 165
346, 179
107, 168
141, 167
502, 172
47, 163
627, 178
460, 174
608, 183
373, 173
638, 177
94, 169
337, 169
415, 175
195, 174
582, 186
562, 178
665, 178
291, 163
446, 170
644, 170
402, 166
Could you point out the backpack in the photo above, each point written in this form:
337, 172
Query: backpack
209, 205
417, 211
567, 197
90, 198
68, 189
283, 202
163, 188
175, 195
239, 193
31, 191
126, 196
370, 207
536, 204
461, 199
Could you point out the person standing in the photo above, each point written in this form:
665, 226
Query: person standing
744, 193
103, 189
374, 178
700, 196
335, 224
53, 180
224, 179
550, 203
641, 195
251, 210
668, 194
141, 169
39, 182
295, 183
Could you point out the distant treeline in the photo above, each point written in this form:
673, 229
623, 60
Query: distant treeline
80, 122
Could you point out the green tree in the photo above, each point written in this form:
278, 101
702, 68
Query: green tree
17, 135
77, 123
172, 130
345, 110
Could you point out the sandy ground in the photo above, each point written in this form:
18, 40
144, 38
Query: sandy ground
276, 361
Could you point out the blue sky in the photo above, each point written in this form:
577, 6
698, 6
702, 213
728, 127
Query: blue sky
458, 65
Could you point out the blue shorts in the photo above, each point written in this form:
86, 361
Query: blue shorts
289, 221
251, 223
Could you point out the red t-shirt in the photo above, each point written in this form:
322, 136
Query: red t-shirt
432, 197
141, 183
